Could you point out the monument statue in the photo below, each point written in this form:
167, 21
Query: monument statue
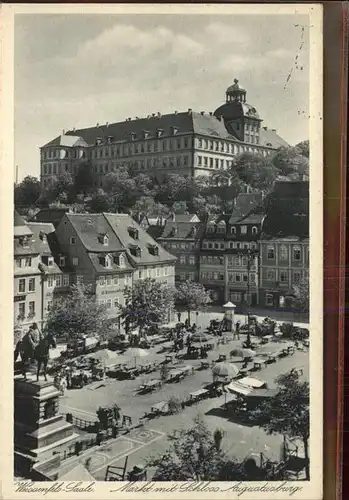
34, 346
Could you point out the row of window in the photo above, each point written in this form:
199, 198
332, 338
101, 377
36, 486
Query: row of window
58, 280
22, 309
26, 262
63, 153
55, 168
182, 245
284, 252
185, 277
153, 272
212, 260
239, 261
22, 285
114, 280
110, 303
212, 276
150, 146
236, 245
221, 228
187, 259
242, 278
283, 275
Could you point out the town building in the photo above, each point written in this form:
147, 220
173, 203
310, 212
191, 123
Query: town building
182, 239
109, 252
187, 143
242, 250
34, 272
284, 260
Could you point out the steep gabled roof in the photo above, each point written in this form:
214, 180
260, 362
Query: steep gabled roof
90, 227
67, 140
244, 205
121, 224
40, 240
182, 230
52, 215
269, 138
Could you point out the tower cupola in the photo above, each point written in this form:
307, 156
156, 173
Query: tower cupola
235, 93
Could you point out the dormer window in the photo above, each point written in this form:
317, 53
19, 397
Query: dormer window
133, 232
211, 228
254, 230
122, 262
105, 261
62, 261
50, 261
174, 130
174, 231
135, 251
25, 242
110, 139
99, 141
42, 237
154, 250
243, 229
233, 230
145, 134
159, 132
221, 227
133, 136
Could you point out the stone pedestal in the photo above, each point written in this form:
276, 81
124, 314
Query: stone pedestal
39, 429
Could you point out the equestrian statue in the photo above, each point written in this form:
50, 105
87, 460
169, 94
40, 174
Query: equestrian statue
34, 346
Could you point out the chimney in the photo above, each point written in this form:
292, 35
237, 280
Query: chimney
159, 114
265, 128
211, 113
190, 111
97, 125
63, 132
74, 129
202, 113
107, 124
176, 112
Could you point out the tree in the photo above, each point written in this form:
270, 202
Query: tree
255, 170
301, 291
289, 160
27, 192
78, 313
303, 147
99, 202
193, 455
146, 304
192, 296
180, 207
287, 413
85, 179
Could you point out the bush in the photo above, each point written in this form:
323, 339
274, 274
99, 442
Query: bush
174, 405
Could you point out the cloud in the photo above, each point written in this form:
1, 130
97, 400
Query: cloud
227, 35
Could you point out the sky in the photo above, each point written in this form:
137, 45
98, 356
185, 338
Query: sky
76, 70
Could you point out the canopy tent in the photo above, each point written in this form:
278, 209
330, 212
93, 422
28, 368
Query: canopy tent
262, 393
243, 353
237, 388
105, 356
254, 383
137, 352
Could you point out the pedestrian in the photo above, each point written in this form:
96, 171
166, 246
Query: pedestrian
62, 385
179, 315
237, 331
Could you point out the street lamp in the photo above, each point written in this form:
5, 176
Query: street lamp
250, 258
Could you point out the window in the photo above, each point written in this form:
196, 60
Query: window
283, 276
269, 299
237, 261
235, 296
243, 229
75, 261
270, 274
21, 285
254, 230
296, 253
253, 278
31, 311
50, 281
28, 262
108, 304
203, 276
140, 274
58, 280
116, 302
101, 281
233, 230
62, 261
19, 262
166, 271
192, 260
158, 271
50, 261
270, 252
296, 277
221, 228
191, 276
65, 279
182, 259
245, 278
31, 286
72, 240
121, 261
21, 309
199, 160
283, 252
108, 280
116, 280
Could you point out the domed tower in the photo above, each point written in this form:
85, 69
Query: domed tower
241, 119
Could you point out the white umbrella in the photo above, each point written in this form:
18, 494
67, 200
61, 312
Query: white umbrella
225, 369
137, 352
104, 355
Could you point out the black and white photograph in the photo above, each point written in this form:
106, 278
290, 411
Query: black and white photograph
162, 325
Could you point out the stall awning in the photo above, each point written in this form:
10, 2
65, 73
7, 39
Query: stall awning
255, 383
262, 393
238, 388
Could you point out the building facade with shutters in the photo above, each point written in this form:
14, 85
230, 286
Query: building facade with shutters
187, 143
35, 272
284, 244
